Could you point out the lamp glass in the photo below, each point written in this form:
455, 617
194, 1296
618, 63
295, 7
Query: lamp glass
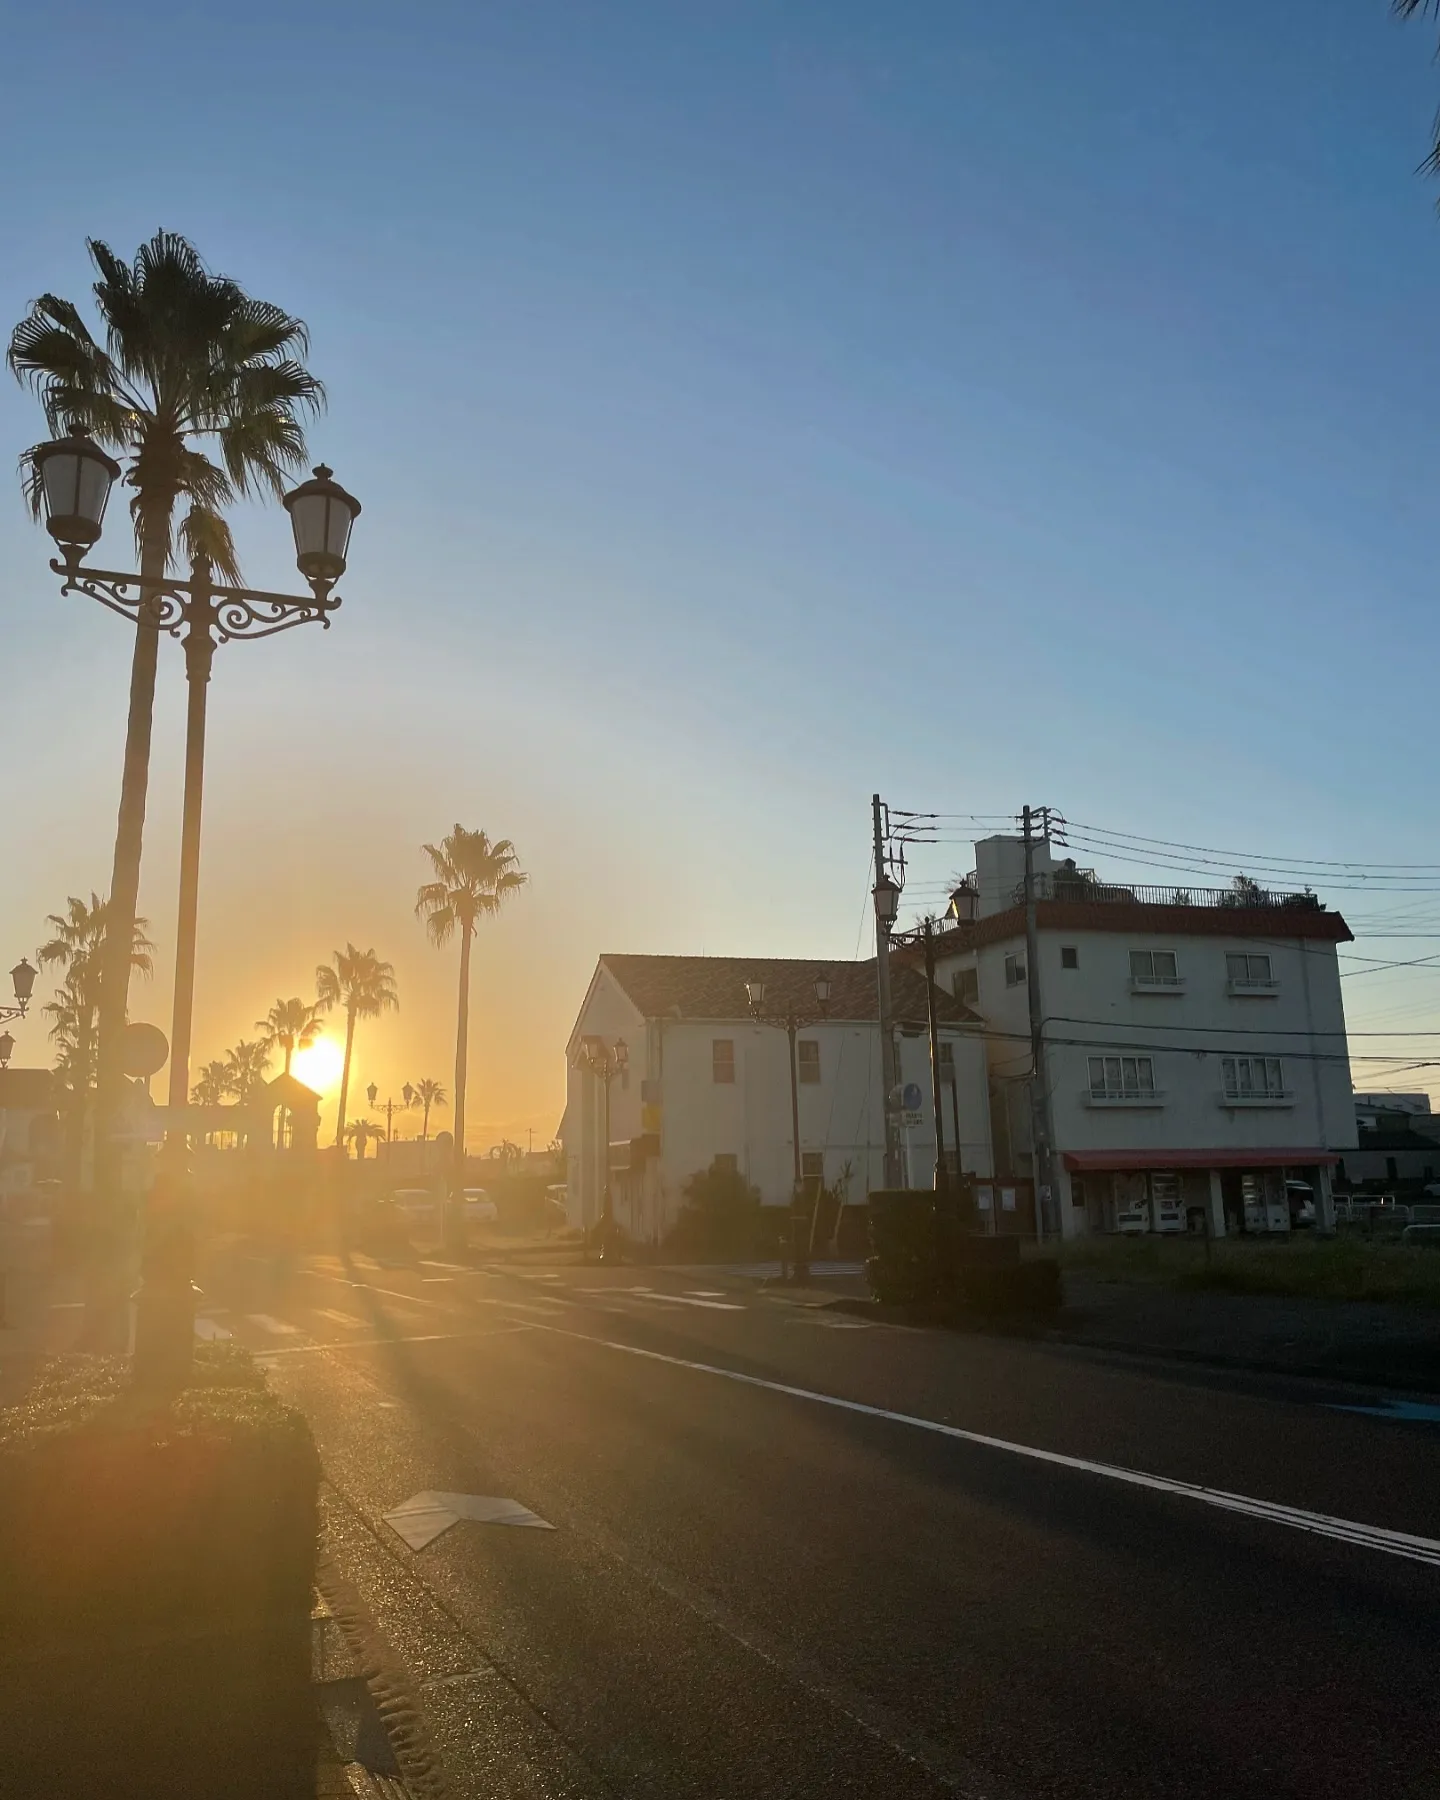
75, 480
755, 994
822, 990
23, 978
372, 1093
7, 1046
321, 517
887, 900
622, 1054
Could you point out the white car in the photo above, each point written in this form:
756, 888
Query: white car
414, 1200
480, 1209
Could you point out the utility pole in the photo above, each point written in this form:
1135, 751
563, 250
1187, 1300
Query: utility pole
1039, 1088
887, 902
944, 1222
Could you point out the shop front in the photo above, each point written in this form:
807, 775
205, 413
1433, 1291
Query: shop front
1175, 1192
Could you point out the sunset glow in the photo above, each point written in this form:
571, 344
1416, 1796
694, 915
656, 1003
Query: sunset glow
319, 1065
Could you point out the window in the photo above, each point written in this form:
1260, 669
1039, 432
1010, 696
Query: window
722, 1060
1014, 971
812, 1165
1253, 1077
1069, 956
947, 1060
1122, 1078
1153, 968
1249, 971
808, 1060
726, 1163
967, 986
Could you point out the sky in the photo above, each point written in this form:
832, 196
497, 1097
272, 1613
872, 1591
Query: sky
754, 407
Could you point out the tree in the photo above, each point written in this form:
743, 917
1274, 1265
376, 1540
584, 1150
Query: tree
213, 1085
245, 1068
429, 1093
77, 946
188, 359
1407, 9
473, 878
720, 1213
291, 1025
365, 987
361, 1132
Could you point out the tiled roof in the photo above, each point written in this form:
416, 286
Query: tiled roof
713, 987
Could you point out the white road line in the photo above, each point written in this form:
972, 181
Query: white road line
667, 1299
337, 1318
277, 1326
1349, 1531
425, 1337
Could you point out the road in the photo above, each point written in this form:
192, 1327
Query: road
795, 1555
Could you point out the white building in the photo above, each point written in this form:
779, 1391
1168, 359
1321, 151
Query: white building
704, 1081
1195, 1048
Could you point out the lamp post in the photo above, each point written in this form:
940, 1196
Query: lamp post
945, 1223
407, 1094
75, 478
886, 894
604, 1061
790, 1022
22, 979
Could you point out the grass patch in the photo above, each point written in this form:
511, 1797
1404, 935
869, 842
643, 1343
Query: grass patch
1342, 1268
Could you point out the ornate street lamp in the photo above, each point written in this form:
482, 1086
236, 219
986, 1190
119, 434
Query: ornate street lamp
22, 979
75, 477
7, 1049
802, 1230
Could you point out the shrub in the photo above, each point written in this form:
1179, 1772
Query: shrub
903, 1267
154, 1620
721, 1215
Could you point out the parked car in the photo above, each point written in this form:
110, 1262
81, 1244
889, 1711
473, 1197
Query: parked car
413, 1202
480, 1209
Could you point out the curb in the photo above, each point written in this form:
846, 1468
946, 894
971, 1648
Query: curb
390, 1688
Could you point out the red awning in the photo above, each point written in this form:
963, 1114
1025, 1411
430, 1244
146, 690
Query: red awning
1098, 1160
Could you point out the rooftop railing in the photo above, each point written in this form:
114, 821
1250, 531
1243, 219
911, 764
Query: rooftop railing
1073, 888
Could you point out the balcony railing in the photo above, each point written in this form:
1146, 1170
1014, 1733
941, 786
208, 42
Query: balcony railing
1073, 888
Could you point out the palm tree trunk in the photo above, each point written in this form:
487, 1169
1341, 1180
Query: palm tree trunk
107, 1278
425, 1124
462, 1048
345, 1076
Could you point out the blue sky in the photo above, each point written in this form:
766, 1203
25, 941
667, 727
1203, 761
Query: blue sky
755, 406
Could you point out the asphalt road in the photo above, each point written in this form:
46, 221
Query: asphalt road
749, 1590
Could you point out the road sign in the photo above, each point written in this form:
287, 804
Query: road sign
145, 1049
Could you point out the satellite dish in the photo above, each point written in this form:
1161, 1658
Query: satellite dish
145, 1048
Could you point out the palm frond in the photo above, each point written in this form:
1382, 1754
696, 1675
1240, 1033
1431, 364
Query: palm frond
206, 533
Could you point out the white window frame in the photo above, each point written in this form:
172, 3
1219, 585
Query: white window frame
1252, 980
1120, 1079
1014, 969
1254, 1081
717, 1062
807, 1068
1155, 983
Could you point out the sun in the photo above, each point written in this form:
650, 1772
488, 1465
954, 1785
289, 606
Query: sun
319, 1065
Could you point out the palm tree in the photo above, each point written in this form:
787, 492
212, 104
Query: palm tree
365, 987
213, 1085
473, 880
292, 1025
429, 1093
76, 945
361, 1132
188, 357
245, 1067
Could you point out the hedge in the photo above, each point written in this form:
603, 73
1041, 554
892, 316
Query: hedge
159, 1559
981, 1275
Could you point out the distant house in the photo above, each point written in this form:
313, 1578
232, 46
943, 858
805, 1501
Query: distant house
1196, 1059
706, 1082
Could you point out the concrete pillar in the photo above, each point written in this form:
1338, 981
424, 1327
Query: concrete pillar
1324, 1202
1215, 1206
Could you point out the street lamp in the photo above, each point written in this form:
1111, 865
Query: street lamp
7, 1049
75, 477
604, 1061
407, 1093
22, 979
790, 1022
